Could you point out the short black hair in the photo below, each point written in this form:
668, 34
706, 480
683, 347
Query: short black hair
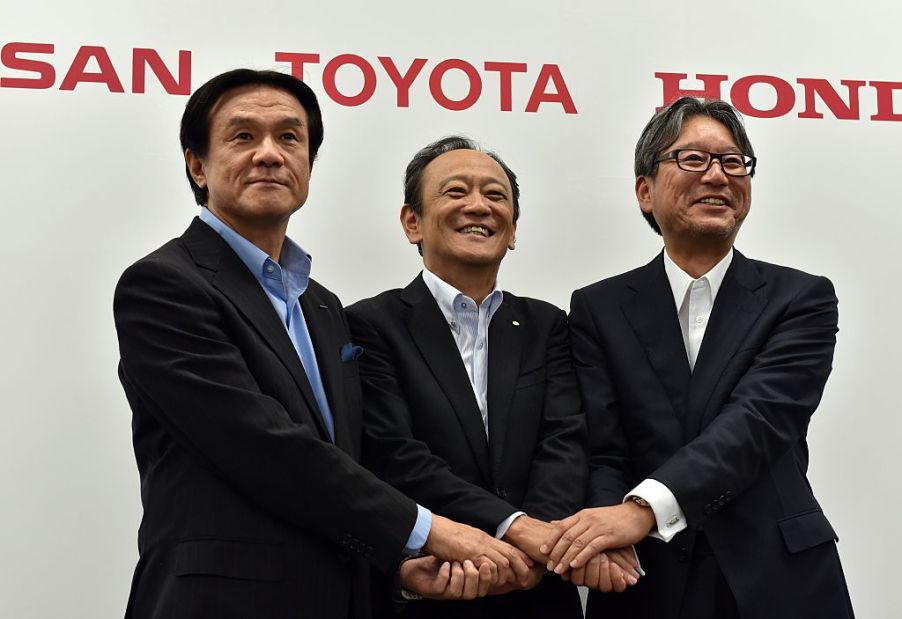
195, 129
413, 177
666, 125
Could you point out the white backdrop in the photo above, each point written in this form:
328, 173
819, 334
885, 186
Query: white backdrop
93, 180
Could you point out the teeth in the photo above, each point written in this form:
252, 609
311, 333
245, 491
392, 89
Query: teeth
475, 230
715, 201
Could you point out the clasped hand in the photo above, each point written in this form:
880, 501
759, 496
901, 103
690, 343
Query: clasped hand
467, 563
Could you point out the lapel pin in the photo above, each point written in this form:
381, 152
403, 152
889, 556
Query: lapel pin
516, 323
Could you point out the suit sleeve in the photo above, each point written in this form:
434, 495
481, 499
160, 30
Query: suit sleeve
610, 470
180, 359
557, 477
393, 452
768, 410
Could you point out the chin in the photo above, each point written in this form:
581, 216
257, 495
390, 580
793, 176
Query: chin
716, 228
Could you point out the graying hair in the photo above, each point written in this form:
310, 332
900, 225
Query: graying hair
666, 125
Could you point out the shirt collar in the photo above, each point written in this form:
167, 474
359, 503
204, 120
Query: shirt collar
680, 280
295, 266
448, 297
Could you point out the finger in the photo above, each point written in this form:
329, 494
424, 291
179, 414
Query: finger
580, 539
618, 578
628, 553
584, 555
560, 527
604, 574
520, 564
625, 560
498, 555
563, 545
443, 576
456, 585
485, 580
593, 572
471, 580
496, 573
577, 577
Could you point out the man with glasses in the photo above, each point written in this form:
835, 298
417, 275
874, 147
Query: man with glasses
699, 374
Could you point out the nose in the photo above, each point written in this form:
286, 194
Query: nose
477, 204
715, 174
268, 153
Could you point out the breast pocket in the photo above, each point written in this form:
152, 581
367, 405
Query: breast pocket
531, 378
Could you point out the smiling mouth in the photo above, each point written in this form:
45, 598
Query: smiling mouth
480, 230
714, 201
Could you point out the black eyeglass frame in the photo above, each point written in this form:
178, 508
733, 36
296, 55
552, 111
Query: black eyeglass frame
674, 155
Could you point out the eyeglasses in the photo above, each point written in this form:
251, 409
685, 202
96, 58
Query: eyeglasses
690, 160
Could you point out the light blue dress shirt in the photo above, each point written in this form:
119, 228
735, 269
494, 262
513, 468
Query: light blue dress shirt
469, 323
284, 284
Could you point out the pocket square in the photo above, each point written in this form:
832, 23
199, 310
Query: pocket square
350, 351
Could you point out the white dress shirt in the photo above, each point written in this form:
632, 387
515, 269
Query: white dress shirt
694, 300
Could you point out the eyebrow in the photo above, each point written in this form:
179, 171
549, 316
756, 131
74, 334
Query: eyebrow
468, 178
240, 119
697, 146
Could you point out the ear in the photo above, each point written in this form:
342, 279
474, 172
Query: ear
196, 168
513, 242
644, 190
410, 222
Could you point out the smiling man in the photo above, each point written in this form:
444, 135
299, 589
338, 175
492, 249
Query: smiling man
699, 373
246, 398
470, 401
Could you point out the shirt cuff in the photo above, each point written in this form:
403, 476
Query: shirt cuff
420, 531
669, 516
501, 531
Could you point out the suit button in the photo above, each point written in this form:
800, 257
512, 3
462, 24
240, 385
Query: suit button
684, 555
501, 492
708, 509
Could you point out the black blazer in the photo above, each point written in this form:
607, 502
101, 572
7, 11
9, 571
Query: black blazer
728, 439
425, 434
249, 509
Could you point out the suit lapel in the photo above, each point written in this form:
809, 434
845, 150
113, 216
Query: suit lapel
738, 304
231, 277
653, 317
432, 336
323, 323
505, 348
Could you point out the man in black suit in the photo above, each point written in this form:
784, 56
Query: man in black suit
246, 401
470, 402
699, 373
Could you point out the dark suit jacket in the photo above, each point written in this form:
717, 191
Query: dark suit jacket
727, 439
426, 437
249, 509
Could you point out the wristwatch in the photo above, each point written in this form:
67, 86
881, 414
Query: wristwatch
639, 500
400, 593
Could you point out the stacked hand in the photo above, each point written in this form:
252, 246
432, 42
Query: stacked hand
455, 542
582, 536
442, 580
613, 570
592, 548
